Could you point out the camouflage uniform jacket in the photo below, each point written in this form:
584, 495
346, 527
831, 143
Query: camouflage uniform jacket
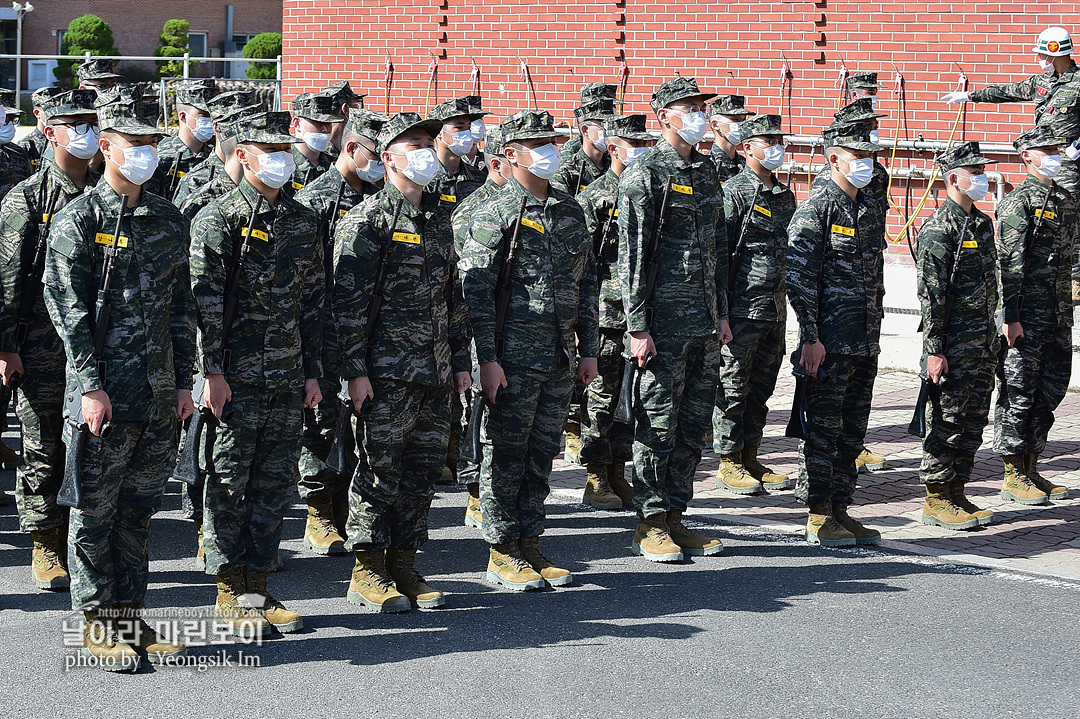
878, 187
422, 332
578, 171
834, 271
726, 167
971, 330
175, 160
24, 213
276, 338
1056, 97
306, 171
453, 189
150, 343
690, 297
1036, 289
570, 148
553, 295
599, 203
459, 218
221, 185
14, 167
199, 176
757, 291
34, 145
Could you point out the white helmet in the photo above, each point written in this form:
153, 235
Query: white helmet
1053, 41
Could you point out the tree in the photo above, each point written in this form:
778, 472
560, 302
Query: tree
174, 43
86, 33
263, 45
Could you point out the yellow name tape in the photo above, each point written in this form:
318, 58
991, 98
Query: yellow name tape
45, 216
845, 231
257, 234
614, 212
180, 173
763, 210
581, 187
684, 189
448, 198
407, 237
533, 224
343, 212
970, 244
102, 239
1048, 214
297, 185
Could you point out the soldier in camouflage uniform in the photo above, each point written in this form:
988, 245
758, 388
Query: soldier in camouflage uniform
193, 140
224, 107
1037, 229
268, 369
726, 115
35, 145
96, 75
607, 445
862, 84
402, 369
590, 161
356, 174
141, 382
549, 338
344, 101
835, 261
590, 92
676, 330
26, 211
478, 128
958, 293
313, 119
758, 208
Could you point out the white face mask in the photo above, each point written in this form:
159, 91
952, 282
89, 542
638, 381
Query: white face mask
875, 137
693, 127
317, 141
82, 146
204, 128
460, 142
734, 133
140, 163
980, 185
1045, 64
374, 171
860, 172
545, 161
633, 153
422, 166
478, 129
7, 132
600, 143
1049, 165
774, 157
275, 168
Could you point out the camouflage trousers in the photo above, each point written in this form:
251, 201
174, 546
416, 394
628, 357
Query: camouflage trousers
316, 481
522, 435
1032, 381
749, 365
837, 411
468, 464
673, 401
251, 483
603, 440
955, 420
123, 481
401, 442
40, 473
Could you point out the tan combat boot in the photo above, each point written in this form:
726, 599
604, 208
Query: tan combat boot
692, 543
939, 509
769, 479
507, 568
47, 565
1017, 486
284, 620
1054, 491
572, 452
867, 461
616, 475
233, 609
371, 585
530, 552
956, 493
320, 534
653, 541
598, 492
200, 551
474, 517
863, 535
146, 642
822, 528
732, 476
401, 564
102, 642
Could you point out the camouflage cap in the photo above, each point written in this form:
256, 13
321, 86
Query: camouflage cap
730, 105
861, 110
229, 125
528, 125
316, 107
7, 100
401, 123
598, 91
227, 102
966, 154
599, 110
760, 126
493, 142
851, 136
458, 107
1038, 136
44, 93
476, 103
366, 123
196, 93
862, 80
96, 70
73, 102
122, 109
271, 128
628, 127
675, 89
342, 92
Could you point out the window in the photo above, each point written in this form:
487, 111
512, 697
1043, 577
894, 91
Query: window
240, 41
59, 39
197, 44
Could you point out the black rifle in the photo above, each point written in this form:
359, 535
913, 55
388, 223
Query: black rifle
1029, 240
173, 178
600, 242
335, 214
736, 254
928, 391
71, 494
32, 282
580, 177
624, 410
502, 292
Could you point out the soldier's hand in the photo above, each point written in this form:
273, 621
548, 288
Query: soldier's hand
96, 408
725, 332
491, 378
1013, 332
586, 371
936, 368
312, 393
10, 363
462, 382
359, 391
185, 406
216, 393
951, 98
642, 347
813, 354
